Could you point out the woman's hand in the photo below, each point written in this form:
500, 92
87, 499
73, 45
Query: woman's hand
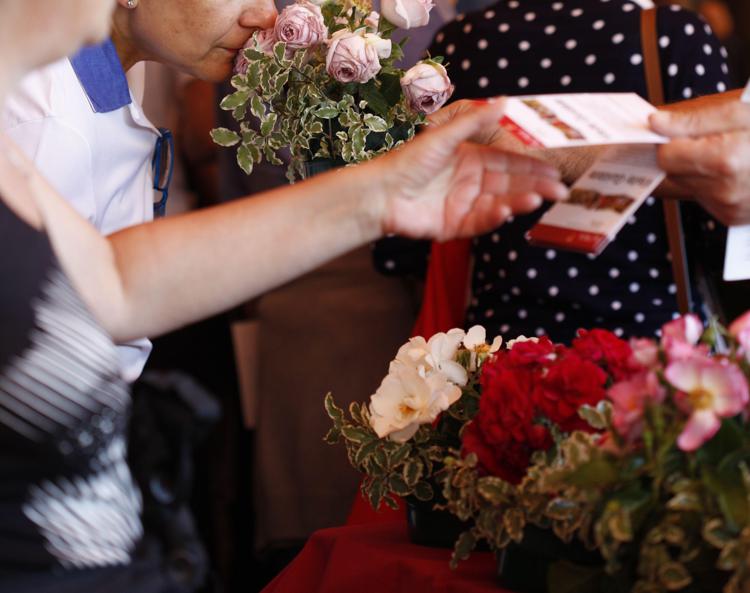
441, 186
709, 156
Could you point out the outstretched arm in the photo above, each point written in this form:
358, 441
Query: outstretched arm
152, 278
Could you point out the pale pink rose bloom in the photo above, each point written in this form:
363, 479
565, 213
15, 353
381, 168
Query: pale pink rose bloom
629, 399
680, 337
355, 56
263, 41
301, 25
645, 352
709, 390
407, 14
740, 329
373, 21
426, 87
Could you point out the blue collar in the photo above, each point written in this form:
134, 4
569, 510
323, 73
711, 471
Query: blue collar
101, 75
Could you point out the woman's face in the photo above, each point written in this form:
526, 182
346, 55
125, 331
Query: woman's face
200, 37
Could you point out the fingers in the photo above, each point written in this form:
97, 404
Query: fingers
717, 155
491, 211
513, 174
700, 121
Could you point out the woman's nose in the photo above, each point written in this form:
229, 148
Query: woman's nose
259, 14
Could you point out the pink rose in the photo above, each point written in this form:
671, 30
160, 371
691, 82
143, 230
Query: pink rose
680, 337
740, 329
301, 26
630, 399
263, 41
427, 87
355, 56
407, 14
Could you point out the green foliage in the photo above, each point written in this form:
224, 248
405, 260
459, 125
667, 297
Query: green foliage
290, 102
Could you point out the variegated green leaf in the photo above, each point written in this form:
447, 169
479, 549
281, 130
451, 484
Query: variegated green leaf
225, 137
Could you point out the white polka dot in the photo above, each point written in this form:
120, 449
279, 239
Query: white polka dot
632, 220
557, 6
486, 257
524, 45
707, 49
465, 65
724, 52
490, 14
495, 238
523, 82
651, 238
710, 225
539, 332
598, 25
450, 49
502, 63
513, 4
700, 69
725, 69
505, 298
571, 44
634, 287
504, 27
467, 28
529, 16
636, 59
390, 264
689, 29
687, 92
657, 302
593, 290
482, 44
460, 17
545, 63
616, 305
553, 291
560, 317
618, 38
707, 29
512, 255
439, 37
664, 41
504, 328
483, 82
650, 201
653, 272
489, 313
572, 272
576, 12
672, 289
531, 273
523, 314
628, 7
609, 78
515, 291
674, 8
640, 317
632, 256
673, 69
550, 29
614, 273
721, 87
590, 60
565, 80
550, 254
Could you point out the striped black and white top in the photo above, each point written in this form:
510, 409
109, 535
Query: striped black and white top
69, 508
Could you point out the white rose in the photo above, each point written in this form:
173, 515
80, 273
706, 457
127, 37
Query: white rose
519, 340
436, 355
373, 20
382, 46
407, 14
476, 342
407, 399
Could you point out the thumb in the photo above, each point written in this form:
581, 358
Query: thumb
702, 121
467, 122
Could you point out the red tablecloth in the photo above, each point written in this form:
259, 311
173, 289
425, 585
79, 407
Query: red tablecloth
379, 558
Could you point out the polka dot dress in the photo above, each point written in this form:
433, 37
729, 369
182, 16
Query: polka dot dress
543, 46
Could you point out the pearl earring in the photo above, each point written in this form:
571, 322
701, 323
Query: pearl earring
132, 3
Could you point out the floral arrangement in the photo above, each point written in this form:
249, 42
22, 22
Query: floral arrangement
322, 83
638, 451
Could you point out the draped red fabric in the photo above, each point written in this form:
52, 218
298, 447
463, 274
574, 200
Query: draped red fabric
443, 308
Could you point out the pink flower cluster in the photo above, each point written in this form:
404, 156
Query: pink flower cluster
704, 388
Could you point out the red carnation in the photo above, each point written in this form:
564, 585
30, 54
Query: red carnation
607, 350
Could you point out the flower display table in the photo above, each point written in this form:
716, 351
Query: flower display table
376, 558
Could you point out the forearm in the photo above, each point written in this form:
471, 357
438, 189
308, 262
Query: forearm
178, 270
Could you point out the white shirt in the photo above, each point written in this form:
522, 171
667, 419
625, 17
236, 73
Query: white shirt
99, 161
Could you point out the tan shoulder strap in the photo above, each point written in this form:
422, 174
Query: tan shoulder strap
672, 216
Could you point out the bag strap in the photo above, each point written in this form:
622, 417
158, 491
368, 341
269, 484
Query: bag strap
672, 215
